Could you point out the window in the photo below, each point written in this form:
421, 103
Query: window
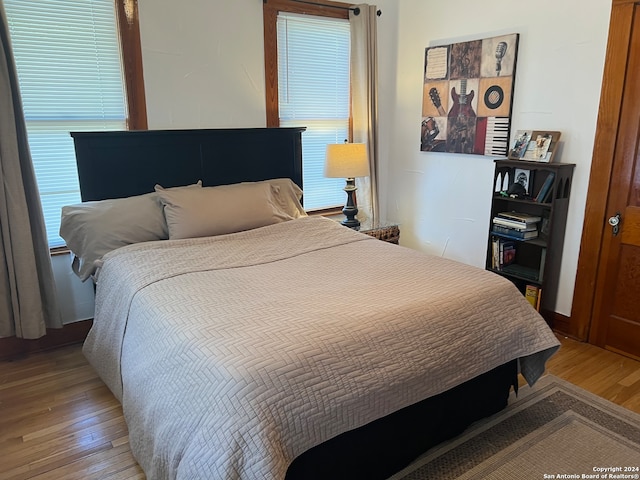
69, 66
311, 84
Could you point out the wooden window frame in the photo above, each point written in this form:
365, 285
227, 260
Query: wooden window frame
270, 18
131, 50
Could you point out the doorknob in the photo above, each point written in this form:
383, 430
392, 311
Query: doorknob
615, 223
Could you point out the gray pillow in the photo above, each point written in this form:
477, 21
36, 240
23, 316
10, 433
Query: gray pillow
220, 210
92, 229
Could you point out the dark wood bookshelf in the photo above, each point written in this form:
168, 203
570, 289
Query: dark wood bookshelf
537, 261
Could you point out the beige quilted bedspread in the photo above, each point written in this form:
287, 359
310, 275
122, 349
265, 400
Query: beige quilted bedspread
232, 355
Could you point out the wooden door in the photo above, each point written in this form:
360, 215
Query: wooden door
610, 258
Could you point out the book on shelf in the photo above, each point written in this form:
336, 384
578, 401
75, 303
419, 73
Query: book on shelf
539, 299
508, 255
545, 188
533, 294
521, 226
503, 252
520, 217
515, 233
547, 196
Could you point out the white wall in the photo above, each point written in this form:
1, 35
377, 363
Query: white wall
203, 63
204, 68
443, 200
75, 298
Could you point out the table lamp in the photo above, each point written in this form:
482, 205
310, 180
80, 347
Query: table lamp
347, 160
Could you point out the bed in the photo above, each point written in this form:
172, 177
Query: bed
297, 349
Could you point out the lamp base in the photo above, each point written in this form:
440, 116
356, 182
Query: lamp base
350, 210
351, 223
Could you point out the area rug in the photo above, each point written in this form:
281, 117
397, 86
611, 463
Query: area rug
554, 430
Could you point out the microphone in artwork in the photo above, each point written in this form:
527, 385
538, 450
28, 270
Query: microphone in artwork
501, 49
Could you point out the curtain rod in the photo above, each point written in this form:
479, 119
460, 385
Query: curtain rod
356, 10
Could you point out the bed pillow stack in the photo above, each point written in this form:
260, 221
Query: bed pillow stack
92, 229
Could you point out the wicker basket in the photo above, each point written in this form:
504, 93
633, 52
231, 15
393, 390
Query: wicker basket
389, 234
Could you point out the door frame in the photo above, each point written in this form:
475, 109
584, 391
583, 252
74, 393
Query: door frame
600, 180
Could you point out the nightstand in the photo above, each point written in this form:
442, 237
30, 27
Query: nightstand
385, 231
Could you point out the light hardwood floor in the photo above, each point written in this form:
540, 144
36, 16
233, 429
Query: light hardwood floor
59, 421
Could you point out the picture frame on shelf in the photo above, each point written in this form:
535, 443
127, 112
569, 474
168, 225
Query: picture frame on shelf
520, 144
534, 145
525, 178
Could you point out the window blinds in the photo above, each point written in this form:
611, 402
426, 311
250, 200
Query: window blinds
313, 91
67, 55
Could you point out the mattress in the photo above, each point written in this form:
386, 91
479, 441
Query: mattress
232, 355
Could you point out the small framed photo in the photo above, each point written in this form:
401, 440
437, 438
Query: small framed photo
520, 144
524, 178
534, 145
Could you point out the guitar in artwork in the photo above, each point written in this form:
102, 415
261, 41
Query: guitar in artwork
462, 101
461, 130
435, 99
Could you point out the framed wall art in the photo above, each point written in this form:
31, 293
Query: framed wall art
467, 96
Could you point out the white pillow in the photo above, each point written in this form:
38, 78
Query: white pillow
219, 210
92, 229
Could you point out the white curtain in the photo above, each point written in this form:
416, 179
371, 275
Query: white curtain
28, 303
364, 93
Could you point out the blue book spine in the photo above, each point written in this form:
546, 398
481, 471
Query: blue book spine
545, 187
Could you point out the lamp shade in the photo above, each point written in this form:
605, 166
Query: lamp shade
346, 160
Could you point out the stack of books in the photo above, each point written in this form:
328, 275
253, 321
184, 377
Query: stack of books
520, 226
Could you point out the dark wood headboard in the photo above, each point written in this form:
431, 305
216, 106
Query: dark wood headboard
126, 163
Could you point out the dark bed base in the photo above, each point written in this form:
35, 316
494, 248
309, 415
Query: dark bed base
383, 447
